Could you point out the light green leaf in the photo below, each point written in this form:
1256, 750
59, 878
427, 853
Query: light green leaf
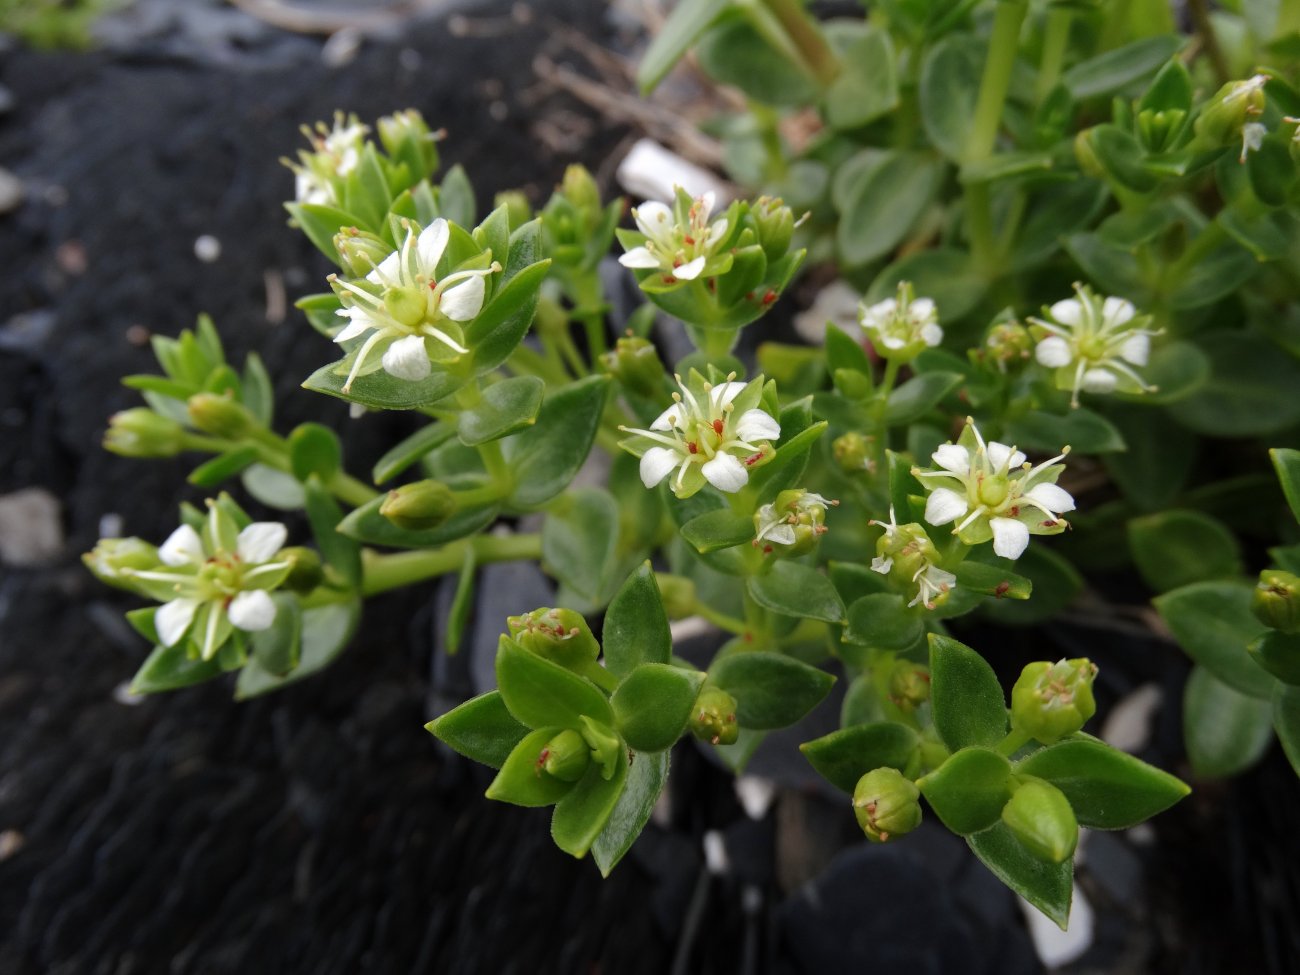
885, 206
646, 777
771, 690
1048, 886
547, 456
1114, 70
965, 696
1177, 548
482, 729
579, 540
582, 814
542, 694
653, 704
797, 590
844, 756
1226, 731
506, 407
968, 791
636, 627
520, 782
1213, 622
920, 394
326, 631
1250, 392
718, 529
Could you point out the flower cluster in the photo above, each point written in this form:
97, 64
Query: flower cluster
991, 491
413, 317
906, 554
335, 153
713, 434
902, 326
682, 241
1094, 343
794, 521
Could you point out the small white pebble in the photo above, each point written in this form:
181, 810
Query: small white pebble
715, 854
207, 248
111, 525
122, 695
1054, 946
755, 794
1128, 727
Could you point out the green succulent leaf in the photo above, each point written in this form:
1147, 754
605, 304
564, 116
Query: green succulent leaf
1226, 731
506, 407
646, 776
967, 701
1048, 886
521, 781
482, 729
542, 694
653, 704
771, 690
792, 589
583, 812
636, 627
1213, 622
844, 756
968, 791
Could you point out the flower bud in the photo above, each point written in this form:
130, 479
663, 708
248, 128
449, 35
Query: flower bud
220, 415
1052, 700
713, 719
886, 804
565, 757
141, 432
559, 635
636, 365
1276, 601
305, 571
580, 189
853, 452
1008, 344
1224, 116
678, 595
1087, 155
406, 136
360, 251
518, 210
419, 506
1041, 818
909, 685
775, 222
113, 559
794, 521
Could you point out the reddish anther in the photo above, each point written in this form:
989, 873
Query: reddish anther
718, 427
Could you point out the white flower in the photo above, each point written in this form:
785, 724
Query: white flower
1094, 344
991, 491
906, 554
680, 241
1252, 137
795, 515
404, 307
714, 434
215, 581
336, 151
902, 326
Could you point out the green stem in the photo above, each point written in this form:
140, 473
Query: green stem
807, 37
599, 676
468, 397
347, 488
721, 620
1012, 743
1200, 13
1056, 40
589, 299
385, 572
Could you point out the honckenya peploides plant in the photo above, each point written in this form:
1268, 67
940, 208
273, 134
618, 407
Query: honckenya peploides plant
839, 512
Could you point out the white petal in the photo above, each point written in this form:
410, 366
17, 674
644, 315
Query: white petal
1136, 349
464, 301
1000, 453
252, 610
1116, 311
931, 334
656, 464
944, 506
431, 243
723, 393
260, 541
639, 257
953, 457
1099, 381
921, 309
755, 425
1053, 498
183, 547
653, 218
717, 231
173, 619
782, 534
725, 473
881, 564
1010, 537
1053, 352
1068, 312
690, 270
665, 420
407, 359
388, 271
706, 202
359, 323
891, 341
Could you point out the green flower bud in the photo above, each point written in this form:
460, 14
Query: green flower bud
1276, 601
1158, 128
406, 137
1052, 700
1008, 345
909, 685
220, 415
141, 432
678, 594
580, 189
419, 506
1087, 155
636, 365
886, 804
113, 559
853, 453
775, 222
565, 757
713, 719
559, 635
360, 251
518, 210
1224, 116
305, 572
792, 523
1041, 818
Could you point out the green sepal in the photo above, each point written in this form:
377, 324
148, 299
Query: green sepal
968, 791
1107, 788
771, 690
542, 694
481, 729
521, 780
653, 705
636, 628
844, 756
606, 746
965, 697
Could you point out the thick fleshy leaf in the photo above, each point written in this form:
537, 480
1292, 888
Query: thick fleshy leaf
326, 631
1250, 391
882, 621
582, 814
482, 729
410, 450
278, 648
920, 394
950, 81
580, 539
549, 454
636, 627
1107, 788
223, 466
968, 791
965, 696
380, 391
1287, 464
788, 465
885, 205
653, 704
992, 580
688, 21
501, 326
1213, 622
718, 529
314, 449
1113, 70
339, 550
792, 589
1286, 722
1178, 548
521, 782
844, 756
506, 407
1226, 731
771, 690
1081, 430
366, 524
542, 694
170, 668
1048, 886
646, 776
